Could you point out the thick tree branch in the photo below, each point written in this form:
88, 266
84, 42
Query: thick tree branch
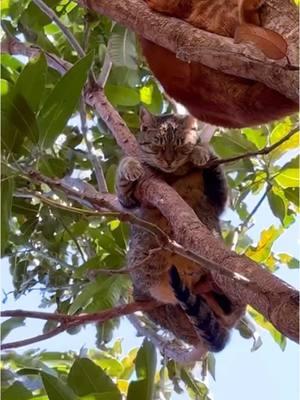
191, 44
68, 321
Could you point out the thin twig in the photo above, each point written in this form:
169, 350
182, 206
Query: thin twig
259, 203
264, 151
44, 336
68, 321
105, 71
68, 34
102, 187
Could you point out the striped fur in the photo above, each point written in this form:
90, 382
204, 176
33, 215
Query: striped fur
199, 313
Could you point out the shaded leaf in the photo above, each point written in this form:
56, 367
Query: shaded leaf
122, 95
56, 389
86, 377
32, 89
17, 391
10, 324
145, 365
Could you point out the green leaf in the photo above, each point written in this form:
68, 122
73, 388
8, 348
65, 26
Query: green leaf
289, 174
16, 391
231, 143
145, 366
122, 95
264, 323
257, 136
278, 203
121, 47
86, 377
62, 101
56, 389
10, 324
262, 251
293, 195
7, 189
289, 260
211, 365
152, 98
31, 82
18, 119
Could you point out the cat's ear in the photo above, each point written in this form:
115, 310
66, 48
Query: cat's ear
190, 122
146, 118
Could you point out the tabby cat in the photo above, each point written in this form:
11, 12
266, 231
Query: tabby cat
210, 95
193, 308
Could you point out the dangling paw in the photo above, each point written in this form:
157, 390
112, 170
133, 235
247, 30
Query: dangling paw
132, 169
200, 155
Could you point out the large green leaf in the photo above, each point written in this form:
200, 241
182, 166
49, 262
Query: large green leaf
86, 377
122, 95
289, 174
31, 82
232, 143
10, 324
62, 101
145, 365
17, 391
121, 47
18, 119
56, 389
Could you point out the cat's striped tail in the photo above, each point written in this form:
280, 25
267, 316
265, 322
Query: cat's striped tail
199, 313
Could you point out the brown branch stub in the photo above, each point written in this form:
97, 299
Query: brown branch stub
191, 44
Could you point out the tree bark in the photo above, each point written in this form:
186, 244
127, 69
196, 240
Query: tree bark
191, 44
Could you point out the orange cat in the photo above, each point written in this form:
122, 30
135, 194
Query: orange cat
210, 95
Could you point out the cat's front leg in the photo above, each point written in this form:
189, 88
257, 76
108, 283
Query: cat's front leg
129, 172
200, 155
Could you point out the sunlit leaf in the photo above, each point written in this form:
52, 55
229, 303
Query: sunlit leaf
289, 174
262, 251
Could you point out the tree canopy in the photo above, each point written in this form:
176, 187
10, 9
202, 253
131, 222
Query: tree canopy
71, 78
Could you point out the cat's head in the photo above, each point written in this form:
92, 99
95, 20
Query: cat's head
167, 141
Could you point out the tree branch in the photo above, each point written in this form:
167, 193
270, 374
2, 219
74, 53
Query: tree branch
192, 44
68, 321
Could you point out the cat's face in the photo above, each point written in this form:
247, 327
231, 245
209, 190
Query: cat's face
167, 141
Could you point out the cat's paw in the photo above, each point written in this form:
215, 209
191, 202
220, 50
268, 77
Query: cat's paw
200, 155
132, 169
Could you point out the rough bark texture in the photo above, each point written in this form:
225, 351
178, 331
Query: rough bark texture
191, 44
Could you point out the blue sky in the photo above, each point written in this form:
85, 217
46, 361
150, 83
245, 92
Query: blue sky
268, 373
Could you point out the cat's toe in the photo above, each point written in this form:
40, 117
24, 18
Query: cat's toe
133, 171
200, 156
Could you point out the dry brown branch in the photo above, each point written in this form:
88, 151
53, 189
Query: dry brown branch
68, 321
191, 44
